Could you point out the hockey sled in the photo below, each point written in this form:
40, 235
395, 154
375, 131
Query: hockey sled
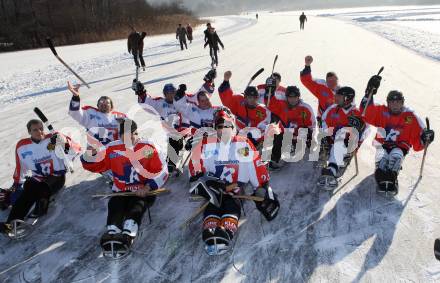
217, 248
19, 229
387, 188
115, 249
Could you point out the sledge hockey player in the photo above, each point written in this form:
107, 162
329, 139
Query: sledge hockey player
344, 124
246, 108
136, 167
272, 86
399, 130
40, 156
323, 90
220, 165
165, 107
100, 122
294, 114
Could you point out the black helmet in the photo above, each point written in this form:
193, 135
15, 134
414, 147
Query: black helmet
395, 95
251, 91
276, 76
347, 92
292, 91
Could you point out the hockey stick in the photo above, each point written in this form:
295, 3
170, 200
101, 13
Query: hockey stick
424, 151
52, 47
370, 95
245, 197
194, 215
270, 90
254, 76
130, 194
67, 163
352, 177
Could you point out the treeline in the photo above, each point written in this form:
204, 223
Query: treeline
26, 23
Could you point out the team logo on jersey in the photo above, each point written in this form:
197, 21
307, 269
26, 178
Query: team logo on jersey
243, 151
147, 152
259, 113
408, 120
303, 114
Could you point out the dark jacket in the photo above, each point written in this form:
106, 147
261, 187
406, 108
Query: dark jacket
213, 40
135, 42
303, 18
181, 33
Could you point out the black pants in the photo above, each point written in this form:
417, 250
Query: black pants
182, 42
121, 208
141, 58
276, 149
174, 145
228, 206
35, 192
213, 54
301, 25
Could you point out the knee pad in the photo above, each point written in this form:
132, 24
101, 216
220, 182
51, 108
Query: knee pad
230, 223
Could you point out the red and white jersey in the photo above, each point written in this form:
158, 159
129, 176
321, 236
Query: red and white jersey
299, 116
404, 129
258, 117
207, 87
319, 88
103, 126
236, 161
336, 117
280, 93
167, 111
197, 117
39, 161
132, 168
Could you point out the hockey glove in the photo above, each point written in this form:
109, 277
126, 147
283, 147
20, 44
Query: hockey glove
180, 92
373, 84
427, 136
210, 76
270, 85
211, 188
270, 206
137, 87
5, 198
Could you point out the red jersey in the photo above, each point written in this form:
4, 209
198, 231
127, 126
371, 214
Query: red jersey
258, 117
320, 90
403, 130
337, 117
132, 169
299, 116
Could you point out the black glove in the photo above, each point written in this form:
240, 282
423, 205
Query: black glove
209, 187
270, 85
180, 92
270, 206
427, 136
210, 76
5, 198
188, 144
138, 87
373, 84
254, 141
357, 123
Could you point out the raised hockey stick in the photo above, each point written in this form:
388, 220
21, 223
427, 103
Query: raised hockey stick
52, 47
424, 152
270, 90
130, 194
67, 163
254, 76
371, 94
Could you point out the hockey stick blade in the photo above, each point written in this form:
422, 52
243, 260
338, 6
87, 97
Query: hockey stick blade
254, 76
51, 46
427, 124
274, 62
43, 118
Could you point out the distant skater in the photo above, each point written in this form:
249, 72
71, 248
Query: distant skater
302, 20
135, 45
181, 34
256, 16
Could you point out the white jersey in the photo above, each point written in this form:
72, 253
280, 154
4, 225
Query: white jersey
38, 160
167, 111
197, 117
103, 126
236, 161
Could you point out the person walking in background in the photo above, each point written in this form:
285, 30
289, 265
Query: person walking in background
189, 32
135, 45
206, 31
256, 16
181, 34
302, 20
213, 41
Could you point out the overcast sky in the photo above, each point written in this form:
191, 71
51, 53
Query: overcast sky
213, 7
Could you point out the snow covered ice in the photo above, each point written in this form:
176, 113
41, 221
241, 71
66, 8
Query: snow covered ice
354, 235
